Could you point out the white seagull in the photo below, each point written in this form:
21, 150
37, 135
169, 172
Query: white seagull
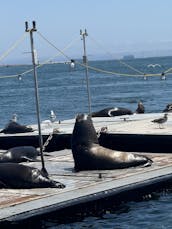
153, 65
52, 116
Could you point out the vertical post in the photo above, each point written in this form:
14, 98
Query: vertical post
36, 93
85, 61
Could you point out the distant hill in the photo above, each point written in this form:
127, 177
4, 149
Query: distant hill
128, 57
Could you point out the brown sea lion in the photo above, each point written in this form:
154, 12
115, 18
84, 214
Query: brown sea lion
19, 154
89, 155
112, 111
17, 176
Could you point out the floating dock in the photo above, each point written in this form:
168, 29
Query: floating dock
127, 133
83, 187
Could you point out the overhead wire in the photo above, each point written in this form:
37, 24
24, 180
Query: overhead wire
61, 52
121, 74
166, 72
109, 53
45, 62
6, 53
90, 67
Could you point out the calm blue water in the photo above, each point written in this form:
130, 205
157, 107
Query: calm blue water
64, 91
153, 214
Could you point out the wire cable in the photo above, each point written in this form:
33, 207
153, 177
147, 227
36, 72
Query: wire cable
6, 53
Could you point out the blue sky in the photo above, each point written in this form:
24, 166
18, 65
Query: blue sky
120, 26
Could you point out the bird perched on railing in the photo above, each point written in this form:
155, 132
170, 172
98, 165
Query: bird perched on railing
161, 121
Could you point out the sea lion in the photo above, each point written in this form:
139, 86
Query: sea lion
89, 155
19, 154
112, 111
168, 108
18, 176
140, 108
13, 127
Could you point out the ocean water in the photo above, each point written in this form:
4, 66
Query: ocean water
63, 90
154, 213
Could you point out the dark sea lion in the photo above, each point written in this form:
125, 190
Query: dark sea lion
140, 108
17, 176
168, 108
112, 111
89, 155
19, 154
13, 127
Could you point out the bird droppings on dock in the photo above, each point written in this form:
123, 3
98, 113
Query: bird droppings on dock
81, 187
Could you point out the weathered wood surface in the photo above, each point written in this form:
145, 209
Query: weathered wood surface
19, 204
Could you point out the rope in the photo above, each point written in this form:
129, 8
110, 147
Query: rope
141, 74
116, 73
45, 62
129, 66
168, 70
91, 68
55, 130
13, 46
47, 141
62, 52
16, 75
101, 70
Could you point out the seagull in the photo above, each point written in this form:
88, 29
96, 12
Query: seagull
14, 118
153, 65
168, 108
140, 108
161, 121
52, 116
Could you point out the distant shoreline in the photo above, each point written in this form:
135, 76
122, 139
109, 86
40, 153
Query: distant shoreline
64, 62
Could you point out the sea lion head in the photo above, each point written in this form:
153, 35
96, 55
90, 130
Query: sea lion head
84, 132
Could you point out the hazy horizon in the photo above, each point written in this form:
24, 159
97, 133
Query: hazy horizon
115, 28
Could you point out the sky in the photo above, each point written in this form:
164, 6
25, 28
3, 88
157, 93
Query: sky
115, 28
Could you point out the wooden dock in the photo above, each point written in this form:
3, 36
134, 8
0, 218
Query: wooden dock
127, 133
125, 124
82, 187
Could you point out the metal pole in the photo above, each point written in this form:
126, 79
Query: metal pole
36, 94
86, 69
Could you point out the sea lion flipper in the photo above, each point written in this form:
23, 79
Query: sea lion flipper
57, 184
147, 164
